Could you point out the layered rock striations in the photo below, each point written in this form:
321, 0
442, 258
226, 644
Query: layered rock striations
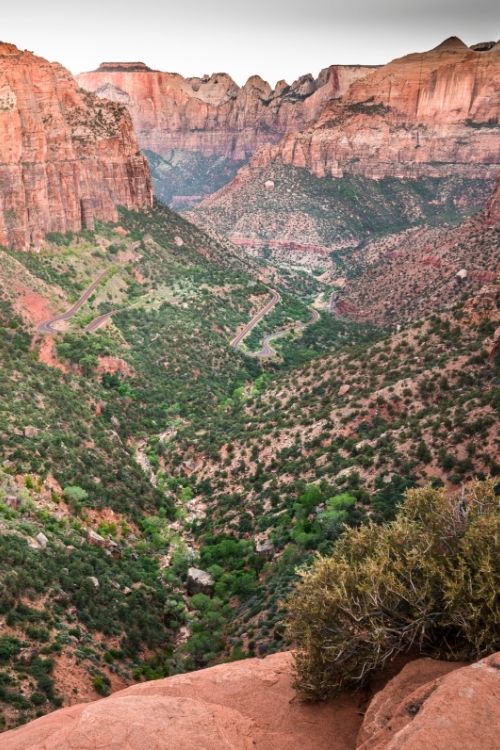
212, 114
434, 113
67, 158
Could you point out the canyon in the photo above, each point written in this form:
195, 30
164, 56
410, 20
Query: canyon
425, 125
67, 158
148, 434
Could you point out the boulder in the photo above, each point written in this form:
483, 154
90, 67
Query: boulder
112, 548
30, 432
264, 547
12, 501
94, 538
199, 582
26, 656
42, 540
435, 705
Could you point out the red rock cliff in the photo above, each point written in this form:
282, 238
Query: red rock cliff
212, 114
434, 113
66, 157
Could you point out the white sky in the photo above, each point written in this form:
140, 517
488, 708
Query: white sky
274, 38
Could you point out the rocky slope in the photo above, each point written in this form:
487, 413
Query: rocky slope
251, 704
407, 275
285, 209
434, 113
66, 157
213, 115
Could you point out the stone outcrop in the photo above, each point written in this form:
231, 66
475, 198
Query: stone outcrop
66, 157
212, 114
199, 582
434, 113
429, 706
247, 705
251, 705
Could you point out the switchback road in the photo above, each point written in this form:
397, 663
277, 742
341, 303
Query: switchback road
248, 328
47, 327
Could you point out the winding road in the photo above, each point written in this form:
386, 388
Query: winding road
267, 350
248, 327
47, 326
99, 321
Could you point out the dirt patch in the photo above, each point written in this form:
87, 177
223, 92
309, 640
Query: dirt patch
47, 355
138, 276
74, 682
113, 365
32, 307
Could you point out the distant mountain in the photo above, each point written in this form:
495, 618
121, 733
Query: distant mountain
197, 132
413, 138
213, 115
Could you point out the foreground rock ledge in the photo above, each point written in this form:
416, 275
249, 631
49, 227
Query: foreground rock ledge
246, 705
251, 705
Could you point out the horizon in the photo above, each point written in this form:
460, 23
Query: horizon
282, 41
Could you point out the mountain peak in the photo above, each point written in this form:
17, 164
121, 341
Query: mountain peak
452, 43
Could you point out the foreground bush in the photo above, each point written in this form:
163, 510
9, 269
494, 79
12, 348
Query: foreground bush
426, 582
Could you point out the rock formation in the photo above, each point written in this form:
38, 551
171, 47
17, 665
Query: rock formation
251, 704
434, 113
212, 114
246, 705
66, 157
429, 706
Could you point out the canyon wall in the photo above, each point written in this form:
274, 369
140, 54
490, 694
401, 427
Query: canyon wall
213, 115
434, 114
67, 158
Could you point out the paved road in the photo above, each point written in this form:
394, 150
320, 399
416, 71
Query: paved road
47, 327
248, 328
99, 321
267, 350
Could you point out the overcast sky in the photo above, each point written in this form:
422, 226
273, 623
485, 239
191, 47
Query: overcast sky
274, 38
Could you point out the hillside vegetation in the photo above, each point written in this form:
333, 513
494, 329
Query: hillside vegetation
141, 444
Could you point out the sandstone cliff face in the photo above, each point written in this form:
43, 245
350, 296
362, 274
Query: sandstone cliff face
435, 114
212, 114
66, 157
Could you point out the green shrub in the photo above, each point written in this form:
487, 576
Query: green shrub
101, 684
425, 581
